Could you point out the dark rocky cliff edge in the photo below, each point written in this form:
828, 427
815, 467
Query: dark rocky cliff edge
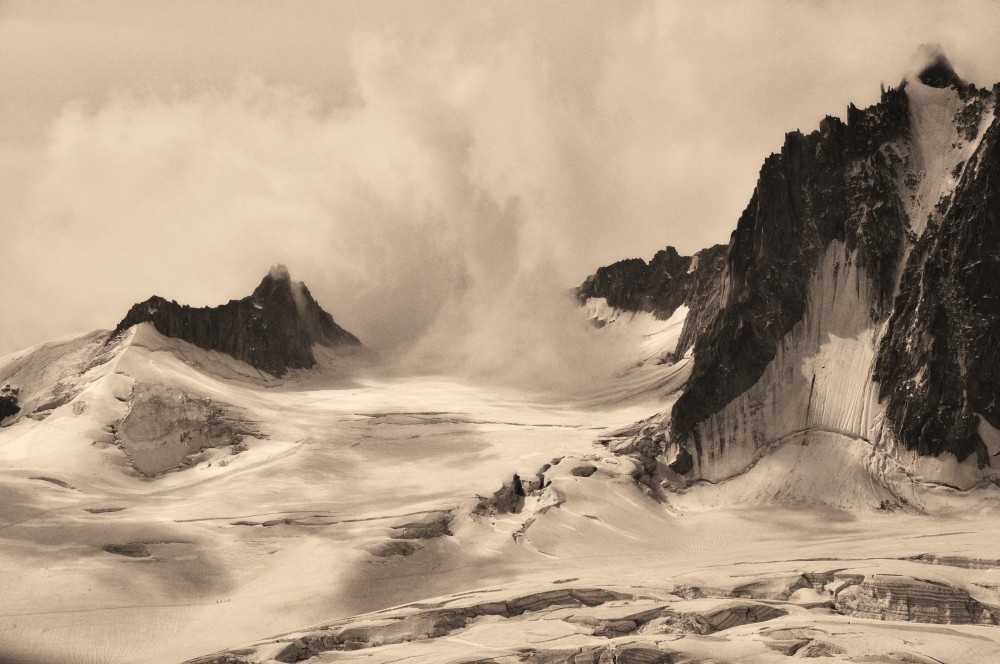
808, 195
661, 286
274, 329
938, 363
8, 402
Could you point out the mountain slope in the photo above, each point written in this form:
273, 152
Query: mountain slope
858, 294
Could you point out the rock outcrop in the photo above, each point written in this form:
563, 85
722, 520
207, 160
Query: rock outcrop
8, 402
274, 329
508, 499
667, 282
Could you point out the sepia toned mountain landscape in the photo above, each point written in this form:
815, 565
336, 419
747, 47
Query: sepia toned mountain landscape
370, 371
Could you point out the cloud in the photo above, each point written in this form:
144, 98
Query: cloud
429, 204
440, 176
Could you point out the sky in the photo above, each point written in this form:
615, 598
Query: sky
438, 173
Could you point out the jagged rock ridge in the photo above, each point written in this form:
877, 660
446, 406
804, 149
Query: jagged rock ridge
273, 329
667, 282
924, 242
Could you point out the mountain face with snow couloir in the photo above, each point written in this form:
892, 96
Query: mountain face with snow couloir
858, 295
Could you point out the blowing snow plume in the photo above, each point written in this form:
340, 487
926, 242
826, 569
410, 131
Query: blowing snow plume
435, 228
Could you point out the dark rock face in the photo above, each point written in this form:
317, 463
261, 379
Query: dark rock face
625, 284
661, 286
936, 295
683, 464
950, 299
273, 329
837, 183
939, 73
8, 402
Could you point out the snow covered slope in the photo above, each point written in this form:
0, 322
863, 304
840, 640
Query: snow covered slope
358, 495
269, 525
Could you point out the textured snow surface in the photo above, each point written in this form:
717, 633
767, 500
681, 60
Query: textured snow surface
370, 494
645, 347
343, 461
650, 338
820, 384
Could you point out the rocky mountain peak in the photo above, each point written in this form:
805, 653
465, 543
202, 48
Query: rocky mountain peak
870, 241
276, 283
278, 277
937, 72
273, 329
279, 272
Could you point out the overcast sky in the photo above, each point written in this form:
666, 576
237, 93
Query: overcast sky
422, 166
